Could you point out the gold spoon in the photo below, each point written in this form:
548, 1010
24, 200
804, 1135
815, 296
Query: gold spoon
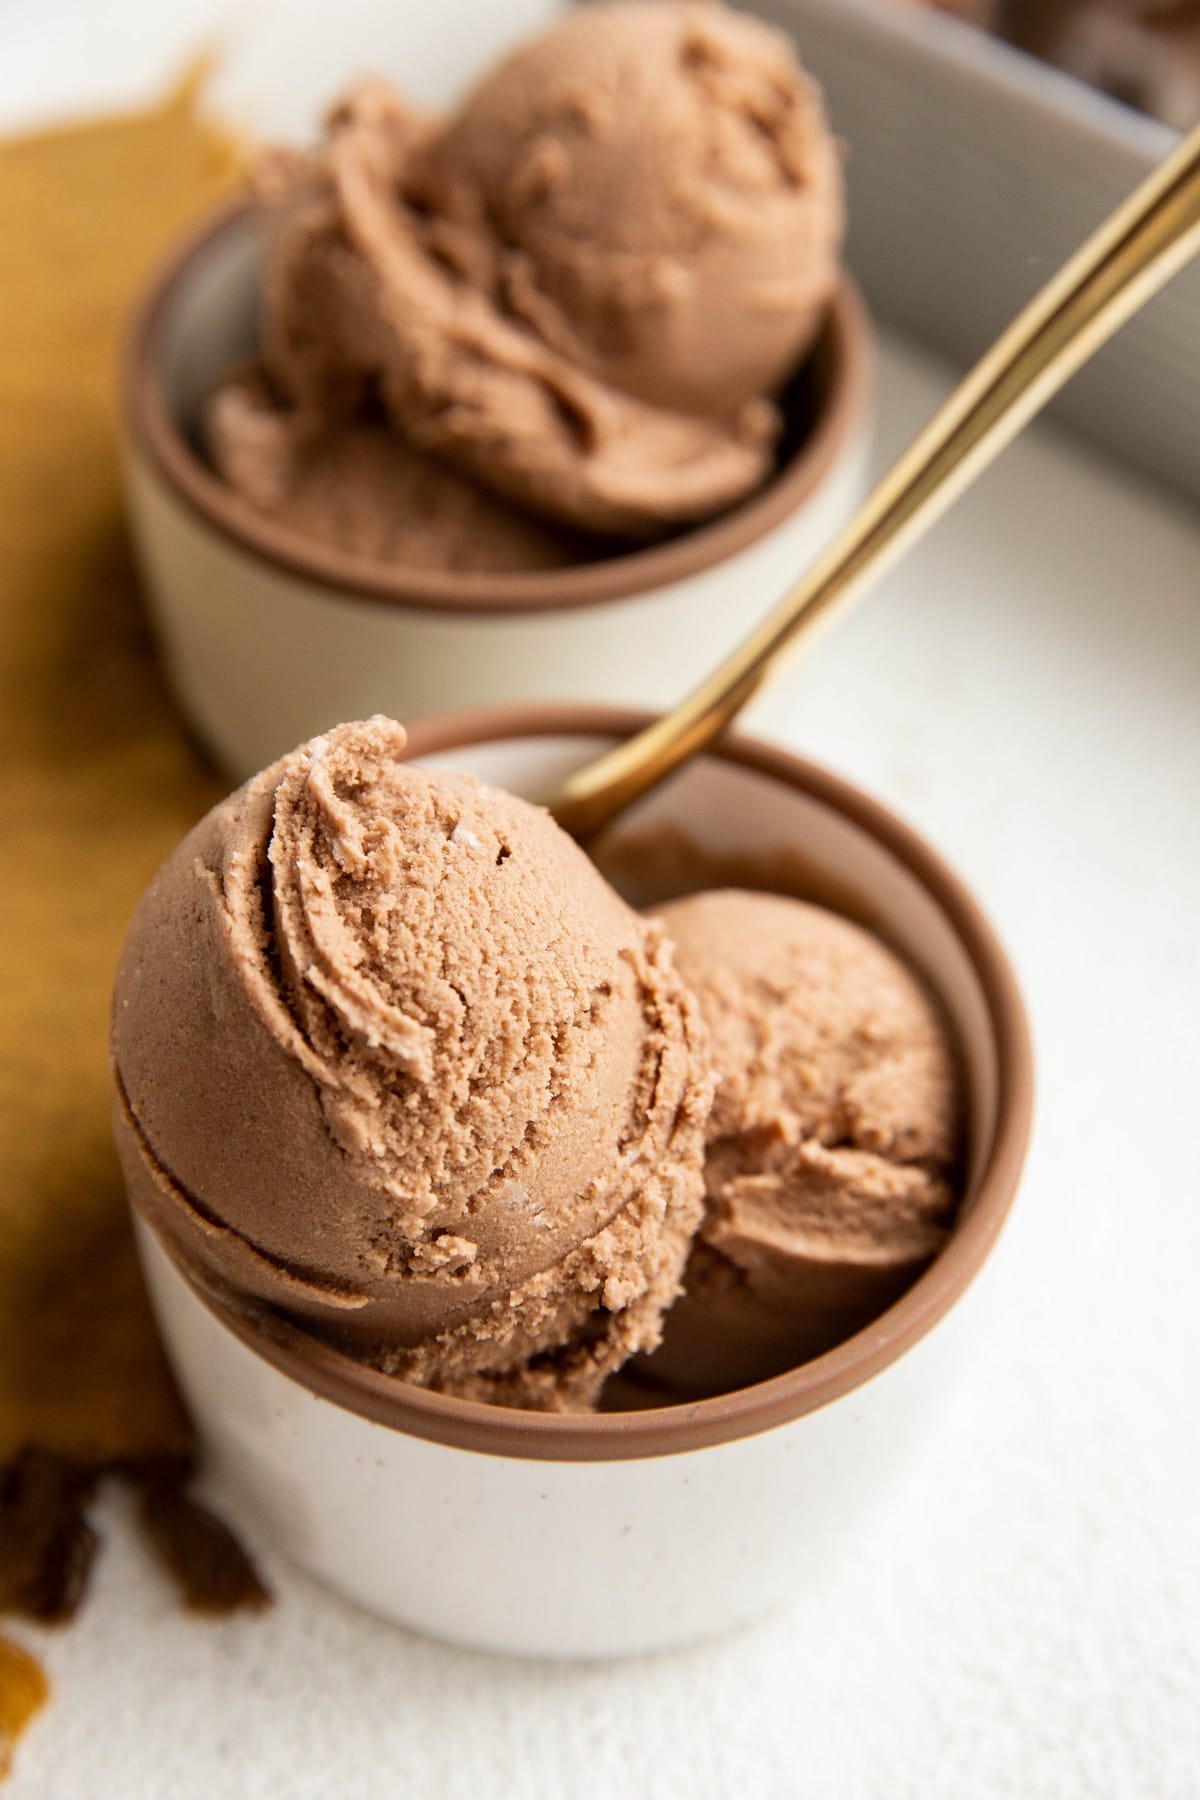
1149, 238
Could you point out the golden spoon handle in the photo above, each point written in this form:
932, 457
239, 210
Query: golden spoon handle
1135, 252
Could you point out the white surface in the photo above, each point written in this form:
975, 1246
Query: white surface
279, 61
1025, 1620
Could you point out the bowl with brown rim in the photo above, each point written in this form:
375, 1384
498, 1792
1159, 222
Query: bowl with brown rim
654, 1521
269, 637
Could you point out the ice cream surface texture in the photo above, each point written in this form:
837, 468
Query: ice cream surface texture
360, 487
833, 1143
583, 289
391, 1056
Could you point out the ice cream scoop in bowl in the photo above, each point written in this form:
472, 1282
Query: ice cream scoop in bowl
555, 1532
536, 401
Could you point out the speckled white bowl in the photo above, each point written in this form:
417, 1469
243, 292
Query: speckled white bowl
268, 639
560, 1535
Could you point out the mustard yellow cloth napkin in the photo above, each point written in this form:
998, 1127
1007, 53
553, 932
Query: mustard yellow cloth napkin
97, 782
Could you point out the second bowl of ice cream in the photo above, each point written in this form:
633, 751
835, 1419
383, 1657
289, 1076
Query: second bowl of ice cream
417, 1116
545, 399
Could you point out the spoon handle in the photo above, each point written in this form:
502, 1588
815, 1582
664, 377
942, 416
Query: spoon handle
1149, 237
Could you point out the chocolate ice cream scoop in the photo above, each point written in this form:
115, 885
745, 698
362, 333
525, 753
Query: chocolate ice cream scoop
357, 485
391, 1056
662, 198
583, 290
833, 1143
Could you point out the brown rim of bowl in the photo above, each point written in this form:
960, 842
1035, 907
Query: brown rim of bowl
560, 1437
152, 428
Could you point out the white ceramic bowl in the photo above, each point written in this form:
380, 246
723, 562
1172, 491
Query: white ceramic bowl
268, 639
600, 1535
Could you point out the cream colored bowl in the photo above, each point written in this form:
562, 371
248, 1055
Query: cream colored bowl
558, 1535
268, 639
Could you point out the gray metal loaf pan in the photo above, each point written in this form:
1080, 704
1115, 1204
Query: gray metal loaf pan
973, 172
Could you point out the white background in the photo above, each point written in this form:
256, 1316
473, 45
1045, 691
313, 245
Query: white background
1024, 1620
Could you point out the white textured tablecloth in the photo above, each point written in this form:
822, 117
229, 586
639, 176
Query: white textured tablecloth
1025, 1619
